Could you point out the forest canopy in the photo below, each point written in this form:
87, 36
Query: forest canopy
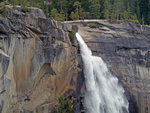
129, 10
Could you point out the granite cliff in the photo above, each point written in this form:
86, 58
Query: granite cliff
39, 60
125, 47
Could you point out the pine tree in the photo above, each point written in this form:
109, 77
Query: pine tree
144, 10
94, 9
137, 9
74, 16
106, 9
118, 8
77, 6
125, 15
113, 13
91, 9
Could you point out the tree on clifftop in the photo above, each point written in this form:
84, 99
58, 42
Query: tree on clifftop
94, 9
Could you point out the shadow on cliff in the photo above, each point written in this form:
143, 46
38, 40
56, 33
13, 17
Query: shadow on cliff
133, 108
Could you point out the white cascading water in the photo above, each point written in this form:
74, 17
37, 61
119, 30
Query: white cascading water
103, 92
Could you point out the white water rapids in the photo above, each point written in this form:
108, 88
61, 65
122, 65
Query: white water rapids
103, 92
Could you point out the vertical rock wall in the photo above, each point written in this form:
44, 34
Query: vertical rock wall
38, 62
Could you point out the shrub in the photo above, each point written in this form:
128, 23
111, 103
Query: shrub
61, 107
3, 10
65, 105
60, 17
148, 64
74, 15
125, 15
24, 6
112, 21
72, 36
86, 15
40, 25
69, 106
94, 26
54, 13
57, 16
133, 21
84, 24
25, 9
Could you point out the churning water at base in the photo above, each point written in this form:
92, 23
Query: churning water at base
103, 93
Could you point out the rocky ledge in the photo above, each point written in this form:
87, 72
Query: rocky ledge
39, 60
125, 47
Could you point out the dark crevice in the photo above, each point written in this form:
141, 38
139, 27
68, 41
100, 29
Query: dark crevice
2, 91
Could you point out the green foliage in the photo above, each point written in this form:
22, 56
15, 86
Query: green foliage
74, 16
69, 106
54, 13
84, 24
65, 105
78, 12
106, 9
40, 25
88, 9
145, 10
125, 15
148, 64
60, 17
87, 15
94, 26
106, 14
3, 10
94, 9
24, 6
133, 21
13, 2
61, 107
25, 9
81, 14
77, 5
130, 18
72, 36
112, 14
57, 16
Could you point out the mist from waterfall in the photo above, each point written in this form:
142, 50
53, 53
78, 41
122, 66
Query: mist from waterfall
103, 92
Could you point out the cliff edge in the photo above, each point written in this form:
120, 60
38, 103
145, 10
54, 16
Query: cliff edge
40, 60
125, 47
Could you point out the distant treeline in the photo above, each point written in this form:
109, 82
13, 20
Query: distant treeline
129, 10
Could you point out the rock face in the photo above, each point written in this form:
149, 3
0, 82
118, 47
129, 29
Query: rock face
38, 62
125, 47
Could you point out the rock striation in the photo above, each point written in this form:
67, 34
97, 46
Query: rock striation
125, 47
40, 60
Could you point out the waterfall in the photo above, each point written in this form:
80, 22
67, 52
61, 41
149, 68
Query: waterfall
103, 92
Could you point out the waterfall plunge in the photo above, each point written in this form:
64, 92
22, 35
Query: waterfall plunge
103, 93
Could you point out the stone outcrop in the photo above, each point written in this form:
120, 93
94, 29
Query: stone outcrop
125, 47
38, 62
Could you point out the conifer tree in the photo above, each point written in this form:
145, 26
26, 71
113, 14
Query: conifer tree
91, 9
94, 9
106, 9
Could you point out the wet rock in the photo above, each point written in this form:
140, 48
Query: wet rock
125, 48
